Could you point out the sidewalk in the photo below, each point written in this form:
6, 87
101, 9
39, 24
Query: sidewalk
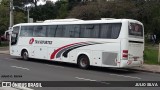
149, 68
4, 50
144, 68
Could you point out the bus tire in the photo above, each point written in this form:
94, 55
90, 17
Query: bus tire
25, 55
83, 62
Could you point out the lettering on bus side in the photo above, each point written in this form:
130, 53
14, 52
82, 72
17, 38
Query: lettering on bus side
42, 42
31, 41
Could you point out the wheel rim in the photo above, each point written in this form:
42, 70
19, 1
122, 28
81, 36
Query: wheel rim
25, 55
83, 62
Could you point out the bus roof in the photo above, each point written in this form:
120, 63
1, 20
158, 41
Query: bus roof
76, 21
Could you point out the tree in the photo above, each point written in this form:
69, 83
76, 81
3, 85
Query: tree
73, 3
146, 11
62, 9
44, 12
97, 10
21, 3
4, 20
19, 17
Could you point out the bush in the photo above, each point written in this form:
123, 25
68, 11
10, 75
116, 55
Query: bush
4, 43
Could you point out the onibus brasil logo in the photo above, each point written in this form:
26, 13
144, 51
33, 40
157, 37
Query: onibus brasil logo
21, 84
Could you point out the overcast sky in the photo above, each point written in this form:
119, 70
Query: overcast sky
54, 0
42, 3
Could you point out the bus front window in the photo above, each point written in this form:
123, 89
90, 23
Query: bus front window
14, 36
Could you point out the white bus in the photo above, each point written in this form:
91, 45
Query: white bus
104, 43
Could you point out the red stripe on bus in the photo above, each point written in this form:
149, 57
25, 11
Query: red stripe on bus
56, 51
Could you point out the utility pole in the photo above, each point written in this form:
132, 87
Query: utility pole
28, 14
11, 14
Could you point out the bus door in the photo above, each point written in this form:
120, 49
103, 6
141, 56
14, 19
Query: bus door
14, 40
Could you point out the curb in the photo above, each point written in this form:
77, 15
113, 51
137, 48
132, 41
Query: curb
4, 52
145, 71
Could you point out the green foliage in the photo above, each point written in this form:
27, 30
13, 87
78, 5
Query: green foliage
4, 43
19, 17
97, 10
73, 3
50, 11
44, 12
4, 20
148, 12
21, 3
151, 55
62, 9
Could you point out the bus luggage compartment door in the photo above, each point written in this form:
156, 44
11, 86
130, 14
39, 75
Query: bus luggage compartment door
109, 58
40, 52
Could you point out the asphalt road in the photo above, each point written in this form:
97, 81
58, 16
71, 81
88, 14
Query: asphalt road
41, 70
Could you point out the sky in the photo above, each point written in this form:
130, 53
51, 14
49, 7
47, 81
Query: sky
54, 0
42, 3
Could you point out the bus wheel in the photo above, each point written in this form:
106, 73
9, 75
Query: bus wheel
25, 55
83, 62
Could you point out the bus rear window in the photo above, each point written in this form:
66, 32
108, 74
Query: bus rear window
135, 29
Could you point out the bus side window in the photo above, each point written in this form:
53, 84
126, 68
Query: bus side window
26, 31
23, 31
104, 30
115, 30
76, 31
85, 31
90, 31
40, 31
59, 31
72, 31
95, 31
67, 30
110, 31
51, 30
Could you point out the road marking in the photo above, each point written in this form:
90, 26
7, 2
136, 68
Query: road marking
91, 80
125, 76
10, 59
54, 66
20, 67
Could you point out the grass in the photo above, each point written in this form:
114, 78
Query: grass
151, 54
